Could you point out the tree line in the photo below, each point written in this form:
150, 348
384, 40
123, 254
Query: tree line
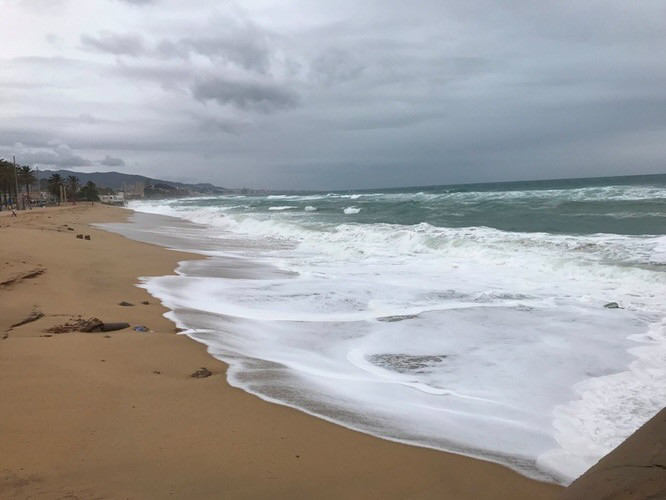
13, 178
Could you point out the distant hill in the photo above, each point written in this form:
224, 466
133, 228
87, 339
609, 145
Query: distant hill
157, 187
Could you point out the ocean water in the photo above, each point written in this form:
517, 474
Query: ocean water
462, 318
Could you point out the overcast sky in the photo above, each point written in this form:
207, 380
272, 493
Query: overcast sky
334, 95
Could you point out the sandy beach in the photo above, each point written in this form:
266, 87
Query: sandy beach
118, 415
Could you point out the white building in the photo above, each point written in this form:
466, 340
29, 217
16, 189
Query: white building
113, 199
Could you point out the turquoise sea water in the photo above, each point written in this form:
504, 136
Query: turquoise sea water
621, 205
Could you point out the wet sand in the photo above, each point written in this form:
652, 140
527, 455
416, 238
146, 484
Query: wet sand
117, 415
634, 470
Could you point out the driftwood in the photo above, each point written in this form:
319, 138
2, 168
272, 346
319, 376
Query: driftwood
34, 316
87, 326
112, 327
79, 325
24, 276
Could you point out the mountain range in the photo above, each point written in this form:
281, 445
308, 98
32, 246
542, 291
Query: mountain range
118, 181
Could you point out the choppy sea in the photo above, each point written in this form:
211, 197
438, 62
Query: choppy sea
463, 318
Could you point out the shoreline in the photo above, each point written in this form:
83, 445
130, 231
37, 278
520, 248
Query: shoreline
116, 428
134, 229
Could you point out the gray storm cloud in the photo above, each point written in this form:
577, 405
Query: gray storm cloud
61, 156
245, 95
310, 95
110, 161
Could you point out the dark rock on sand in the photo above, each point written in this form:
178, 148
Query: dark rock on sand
145, 302
79, 236
202, 373
126, 304
612, 305
86, 237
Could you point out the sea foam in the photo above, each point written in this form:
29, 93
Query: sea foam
486, 342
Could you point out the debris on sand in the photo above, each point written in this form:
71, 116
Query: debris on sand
17, 279
112, 327
141, 328
201, 373
79, 325
126, 304
612, 305
34, 316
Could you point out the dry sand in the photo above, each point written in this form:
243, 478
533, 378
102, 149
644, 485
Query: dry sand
95, 415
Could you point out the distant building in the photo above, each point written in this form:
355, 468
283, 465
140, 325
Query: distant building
113, 199
134, 191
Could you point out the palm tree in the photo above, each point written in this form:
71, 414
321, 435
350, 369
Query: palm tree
7, 181
54, 183
28, 178
89, 192
73, 186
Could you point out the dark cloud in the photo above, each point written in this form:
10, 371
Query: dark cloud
60, 155
241, 43
248, 48
130, 45
255, 96
110, 161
